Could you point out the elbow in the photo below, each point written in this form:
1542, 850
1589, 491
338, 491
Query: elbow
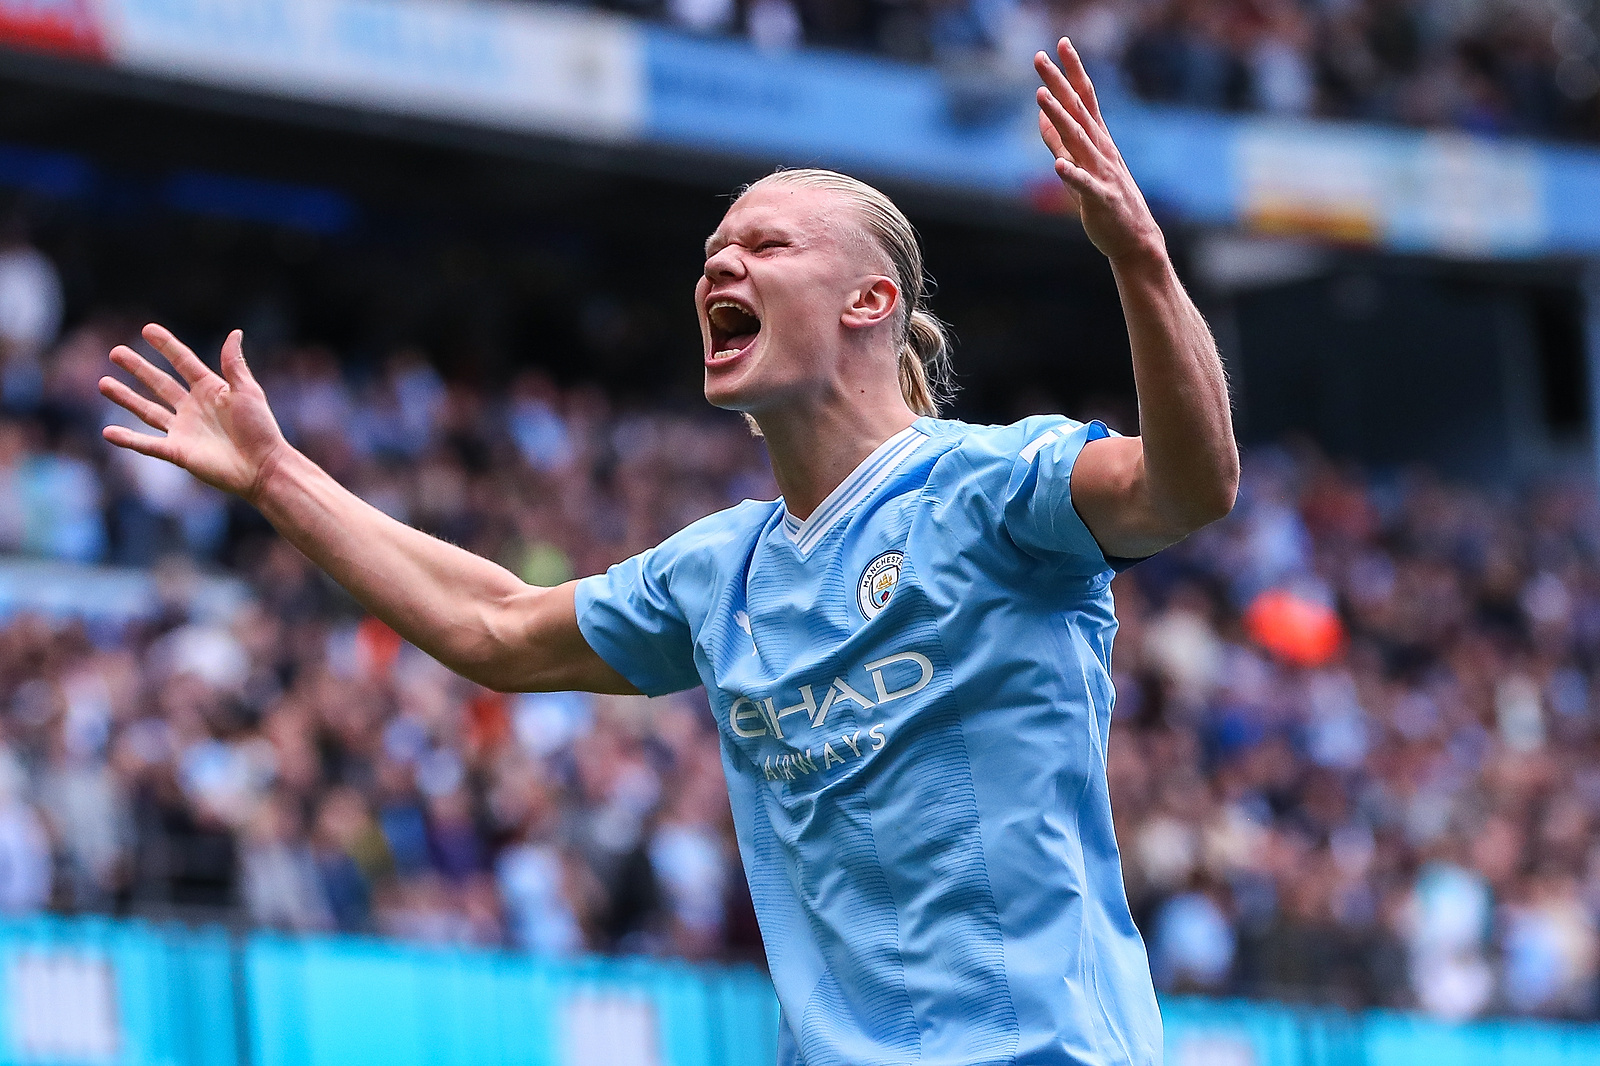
1220, 502
501, 683
1221, 492
1204, 505
471, 645
491, 666
509, 643
474, 660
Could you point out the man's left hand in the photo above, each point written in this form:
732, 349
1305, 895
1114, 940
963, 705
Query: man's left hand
1109, 203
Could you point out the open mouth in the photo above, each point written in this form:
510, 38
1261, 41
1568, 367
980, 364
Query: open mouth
734, 328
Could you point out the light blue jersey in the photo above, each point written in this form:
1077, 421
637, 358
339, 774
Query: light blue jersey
913, 693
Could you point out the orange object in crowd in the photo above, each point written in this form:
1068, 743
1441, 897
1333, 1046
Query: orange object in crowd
1297, 630
379, 646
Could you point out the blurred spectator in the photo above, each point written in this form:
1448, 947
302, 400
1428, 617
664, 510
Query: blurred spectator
1510, 66
1551, 950
24, 848
1450, 927
279, 875
1192, 944
30, 315
550, 896
351, 856
83, 799
774, 25
701, 16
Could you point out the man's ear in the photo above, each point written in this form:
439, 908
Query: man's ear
875, 301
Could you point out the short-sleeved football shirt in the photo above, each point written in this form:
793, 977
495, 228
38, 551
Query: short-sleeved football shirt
912, 689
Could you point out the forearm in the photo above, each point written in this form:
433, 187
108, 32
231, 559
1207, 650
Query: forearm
1190, 460
447, 601
1139, 496
475, 617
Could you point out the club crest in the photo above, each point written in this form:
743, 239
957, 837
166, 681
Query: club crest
878, 583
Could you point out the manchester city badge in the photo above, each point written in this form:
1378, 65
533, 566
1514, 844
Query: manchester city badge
878, 582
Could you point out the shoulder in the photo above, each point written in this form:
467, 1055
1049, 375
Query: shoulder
1013, 484
984, 449
700, 555
718, 535
688, 567
743, 520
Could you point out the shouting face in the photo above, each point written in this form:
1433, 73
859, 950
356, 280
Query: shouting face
790, 280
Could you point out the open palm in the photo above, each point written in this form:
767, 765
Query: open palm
1109, 203
220, 428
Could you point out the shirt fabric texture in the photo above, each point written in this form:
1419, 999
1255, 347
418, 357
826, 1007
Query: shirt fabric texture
912, 691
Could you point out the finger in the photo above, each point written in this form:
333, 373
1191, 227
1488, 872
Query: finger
1073, 136
1058, 152
148, 411
151, 377
1056, 84
1078, 76
1052, 138
234, 369
143, 443
179, 354
1081, 183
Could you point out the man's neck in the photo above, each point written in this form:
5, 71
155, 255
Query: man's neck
815, 449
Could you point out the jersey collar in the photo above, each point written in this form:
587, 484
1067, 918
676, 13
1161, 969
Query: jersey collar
872, 472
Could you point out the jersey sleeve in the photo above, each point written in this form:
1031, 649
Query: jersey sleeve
1036, 505
631, 619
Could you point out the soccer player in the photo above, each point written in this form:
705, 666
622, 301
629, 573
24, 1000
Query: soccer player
907, 654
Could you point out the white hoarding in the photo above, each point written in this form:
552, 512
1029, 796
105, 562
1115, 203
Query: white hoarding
516, 66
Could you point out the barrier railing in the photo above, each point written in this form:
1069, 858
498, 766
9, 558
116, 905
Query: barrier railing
96, 992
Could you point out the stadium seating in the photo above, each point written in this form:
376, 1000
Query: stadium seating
1398, 810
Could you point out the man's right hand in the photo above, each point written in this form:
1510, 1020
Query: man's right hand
220, 428
477, 618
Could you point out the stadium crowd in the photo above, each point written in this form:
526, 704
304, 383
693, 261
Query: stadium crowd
1494, 66
1356, 753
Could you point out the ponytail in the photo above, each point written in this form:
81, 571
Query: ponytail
923, 360
925, 374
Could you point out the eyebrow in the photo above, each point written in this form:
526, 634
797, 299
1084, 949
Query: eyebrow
760, 231
718, 240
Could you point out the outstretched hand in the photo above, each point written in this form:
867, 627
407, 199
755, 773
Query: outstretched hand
1108, 201
220, 428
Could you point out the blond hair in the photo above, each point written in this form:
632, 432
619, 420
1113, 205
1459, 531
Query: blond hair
923, 358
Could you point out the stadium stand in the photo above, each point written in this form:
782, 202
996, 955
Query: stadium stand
1531, 68
1354, 757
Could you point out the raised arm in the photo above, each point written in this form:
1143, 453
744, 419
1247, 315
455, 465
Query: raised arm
1139, 494
475, 617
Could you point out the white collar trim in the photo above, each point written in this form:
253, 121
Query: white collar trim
872, 472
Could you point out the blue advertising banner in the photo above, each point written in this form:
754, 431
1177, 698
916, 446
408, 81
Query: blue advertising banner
1445, 193
103, 993
354, 1002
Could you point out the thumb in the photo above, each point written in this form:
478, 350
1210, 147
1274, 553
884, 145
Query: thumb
234, 369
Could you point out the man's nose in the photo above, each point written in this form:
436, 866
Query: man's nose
725, 264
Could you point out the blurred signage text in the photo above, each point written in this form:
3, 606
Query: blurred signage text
63, 1007
527, 67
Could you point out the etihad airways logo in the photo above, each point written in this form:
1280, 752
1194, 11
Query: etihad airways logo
893, 677
751, 718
